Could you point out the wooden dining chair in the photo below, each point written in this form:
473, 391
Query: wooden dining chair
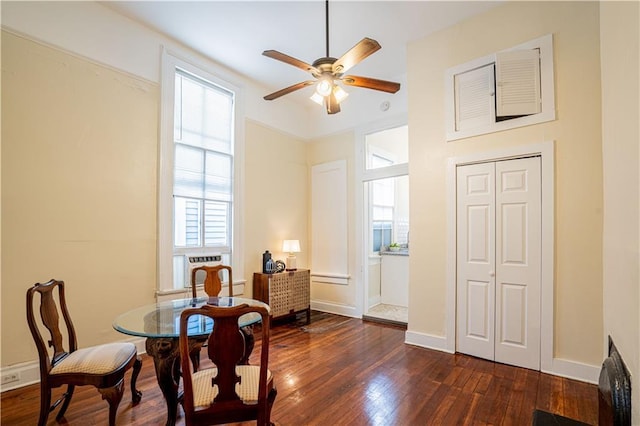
229, 391
212, 280
212, 286
101, 366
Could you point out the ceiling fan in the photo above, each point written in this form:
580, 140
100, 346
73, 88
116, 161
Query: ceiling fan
328, 72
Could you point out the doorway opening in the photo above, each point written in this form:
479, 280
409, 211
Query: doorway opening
385, 219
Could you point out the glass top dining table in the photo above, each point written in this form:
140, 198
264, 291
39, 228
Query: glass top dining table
162, 319
160, 324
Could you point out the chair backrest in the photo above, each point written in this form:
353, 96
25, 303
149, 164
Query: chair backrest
49, 318
226, 346
212, 281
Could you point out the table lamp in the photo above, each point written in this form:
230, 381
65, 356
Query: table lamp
291, 247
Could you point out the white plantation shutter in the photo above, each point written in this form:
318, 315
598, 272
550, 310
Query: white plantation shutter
518, 82
474, 100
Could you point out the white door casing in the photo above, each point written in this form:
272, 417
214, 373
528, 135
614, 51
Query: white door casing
499, 263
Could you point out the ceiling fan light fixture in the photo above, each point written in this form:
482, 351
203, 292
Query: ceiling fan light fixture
317, 98
339, 93
324, 87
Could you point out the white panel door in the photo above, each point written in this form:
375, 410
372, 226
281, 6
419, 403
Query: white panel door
518, 264
476, 260
498, 261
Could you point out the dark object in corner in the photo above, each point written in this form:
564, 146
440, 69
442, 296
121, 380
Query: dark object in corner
544, 418
614, 396
614, 390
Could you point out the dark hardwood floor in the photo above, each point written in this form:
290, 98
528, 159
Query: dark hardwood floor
343, 371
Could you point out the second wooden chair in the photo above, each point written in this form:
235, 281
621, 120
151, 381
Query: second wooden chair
212, 282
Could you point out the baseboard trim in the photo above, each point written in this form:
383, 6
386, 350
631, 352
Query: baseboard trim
560, 367
428, 341
575, 370
334, 308
29, 372
375, 300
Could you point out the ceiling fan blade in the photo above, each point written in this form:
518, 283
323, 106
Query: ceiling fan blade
288, 90
279, 56
333, 106
357, 53
371, 83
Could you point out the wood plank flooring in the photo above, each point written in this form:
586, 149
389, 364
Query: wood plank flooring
343, 371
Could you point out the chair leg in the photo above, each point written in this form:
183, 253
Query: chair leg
45, 404
67, 399
113, 395
136, 395
270, 400
195, 359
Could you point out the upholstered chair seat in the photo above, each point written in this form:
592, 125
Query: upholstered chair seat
247, 389
102, 359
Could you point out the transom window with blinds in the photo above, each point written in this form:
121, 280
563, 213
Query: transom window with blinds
508, 89
199, 153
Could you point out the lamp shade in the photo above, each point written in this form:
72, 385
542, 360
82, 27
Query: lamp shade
291, 246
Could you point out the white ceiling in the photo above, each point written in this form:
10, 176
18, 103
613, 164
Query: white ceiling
235, 33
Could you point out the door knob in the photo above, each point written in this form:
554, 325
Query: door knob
492, 273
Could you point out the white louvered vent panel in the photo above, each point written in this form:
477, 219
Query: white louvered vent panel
518, 82
474, 102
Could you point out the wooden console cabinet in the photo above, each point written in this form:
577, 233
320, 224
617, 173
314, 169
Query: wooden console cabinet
287, 293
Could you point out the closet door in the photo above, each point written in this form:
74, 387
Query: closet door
498, 261
518, 265
476, 260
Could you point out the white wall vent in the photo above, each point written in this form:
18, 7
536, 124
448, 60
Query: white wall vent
197, 261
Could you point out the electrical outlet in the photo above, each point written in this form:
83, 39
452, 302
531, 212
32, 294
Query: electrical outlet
10, 378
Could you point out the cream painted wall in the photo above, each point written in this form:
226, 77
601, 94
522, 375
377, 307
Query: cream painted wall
79, 177
331, 148
619, 41
78, 190
276, 196
578, 169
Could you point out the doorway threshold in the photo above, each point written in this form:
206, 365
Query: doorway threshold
388, 314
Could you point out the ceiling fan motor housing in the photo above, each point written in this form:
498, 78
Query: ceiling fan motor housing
324, 65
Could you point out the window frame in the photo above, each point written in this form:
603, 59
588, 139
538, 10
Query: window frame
170, 61
374, 151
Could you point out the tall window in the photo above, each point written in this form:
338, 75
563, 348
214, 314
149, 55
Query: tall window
203, 167
199, 150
